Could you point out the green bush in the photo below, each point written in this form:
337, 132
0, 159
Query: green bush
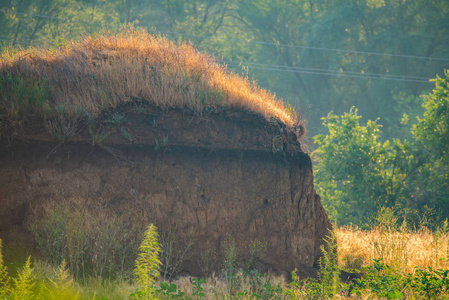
356, 173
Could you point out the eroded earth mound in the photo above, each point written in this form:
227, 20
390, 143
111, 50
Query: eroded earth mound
223, 173
114, 132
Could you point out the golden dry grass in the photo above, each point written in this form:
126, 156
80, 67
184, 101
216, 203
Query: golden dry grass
401, 249
101, 72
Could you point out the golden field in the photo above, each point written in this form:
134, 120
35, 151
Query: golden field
402, 249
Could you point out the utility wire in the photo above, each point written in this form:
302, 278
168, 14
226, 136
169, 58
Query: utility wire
313, 48
283, 68
328, 71
256, 42
330, 74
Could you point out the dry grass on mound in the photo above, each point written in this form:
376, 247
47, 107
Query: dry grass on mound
402, 249
101, 72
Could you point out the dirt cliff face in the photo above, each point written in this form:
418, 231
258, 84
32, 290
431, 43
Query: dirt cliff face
223, 173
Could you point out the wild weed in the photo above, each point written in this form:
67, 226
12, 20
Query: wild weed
198, 290
62, 286
174, 252
256, 251
170, 291
148, 264
230, 254
328, 284
20, 94
206, 260
430, 283
5, 287
24, 283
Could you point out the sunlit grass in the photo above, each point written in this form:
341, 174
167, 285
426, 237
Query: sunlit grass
402, 249
101, 72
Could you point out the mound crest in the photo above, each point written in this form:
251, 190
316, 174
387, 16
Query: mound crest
98, 73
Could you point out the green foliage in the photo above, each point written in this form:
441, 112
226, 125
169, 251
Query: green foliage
24, 283
147, 263
357, 174
295, 285
169, 291
62, 287
430, 283
162, 144
50, 235
4, 279
329, 270
382, 281
18, 95
230, 254
352, 175
198, 290
256, 251
328, 284
430, 168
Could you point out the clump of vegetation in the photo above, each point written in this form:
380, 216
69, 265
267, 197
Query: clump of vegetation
104, 244
358, 173
148, 264
86, 77
378, 279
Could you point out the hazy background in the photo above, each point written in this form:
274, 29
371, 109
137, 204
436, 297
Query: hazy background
319, 55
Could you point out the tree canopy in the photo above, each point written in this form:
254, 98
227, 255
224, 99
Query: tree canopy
323, 55
357, 174
319, 56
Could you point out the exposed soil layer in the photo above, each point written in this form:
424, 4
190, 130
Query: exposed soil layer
223, 173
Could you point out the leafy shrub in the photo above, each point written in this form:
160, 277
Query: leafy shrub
430, 283
381, 280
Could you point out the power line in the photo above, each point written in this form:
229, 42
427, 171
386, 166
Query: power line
313, 48
331, 71
283, 68
330, 74
257, 42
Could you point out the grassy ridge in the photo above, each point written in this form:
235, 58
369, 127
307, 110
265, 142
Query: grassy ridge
100, 72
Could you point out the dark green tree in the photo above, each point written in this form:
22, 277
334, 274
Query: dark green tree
357, 174
352, 173
431, 162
